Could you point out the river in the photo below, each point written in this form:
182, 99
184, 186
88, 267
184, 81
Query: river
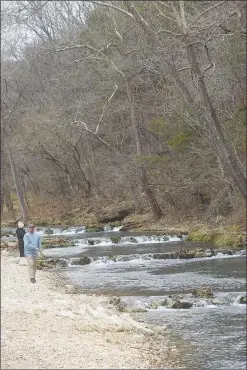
212, 332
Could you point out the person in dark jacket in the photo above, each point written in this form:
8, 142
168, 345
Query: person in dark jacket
20, 232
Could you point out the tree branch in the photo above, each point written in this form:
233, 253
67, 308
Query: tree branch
108, 101
113, 7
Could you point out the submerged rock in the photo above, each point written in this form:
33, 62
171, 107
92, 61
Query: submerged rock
203, 292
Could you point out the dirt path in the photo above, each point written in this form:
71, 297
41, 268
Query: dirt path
43, 327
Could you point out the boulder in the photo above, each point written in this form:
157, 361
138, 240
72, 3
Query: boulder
116, 215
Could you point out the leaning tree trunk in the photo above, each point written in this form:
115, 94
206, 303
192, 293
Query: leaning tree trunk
19, 191
210, 126
216, 137
144, 178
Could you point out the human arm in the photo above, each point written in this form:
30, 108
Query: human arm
39, 243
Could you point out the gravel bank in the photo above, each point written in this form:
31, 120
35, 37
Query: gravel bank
43, 327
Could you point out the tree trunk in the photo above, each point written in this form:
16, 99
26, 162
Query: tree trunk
9, 203
144, 179
2, 199
136, 201
19, 191
216, 137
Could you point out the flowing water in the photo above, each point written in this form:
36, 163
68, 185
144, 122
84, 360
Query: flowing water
213, 330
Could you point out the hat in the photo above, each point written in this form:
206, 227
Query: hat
31, 225
20, 224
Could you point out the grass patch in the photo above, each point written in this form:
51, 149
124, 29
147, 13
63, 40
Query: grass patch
226, 238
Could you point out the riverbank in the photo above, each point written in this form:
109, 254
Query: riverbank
44, 327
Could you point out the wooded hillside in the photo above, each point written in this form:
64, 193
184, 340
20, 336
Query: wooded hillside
109, 102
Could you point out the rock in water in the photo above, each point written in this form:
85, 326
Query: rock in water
84, 260
176, 303
181, 304
203, 292
242, 300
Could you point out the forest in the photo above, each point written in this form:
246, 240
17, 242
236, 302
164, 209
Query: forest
139, 105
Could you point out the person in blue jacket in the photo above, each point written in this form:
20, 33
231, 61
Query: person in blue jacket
32, 245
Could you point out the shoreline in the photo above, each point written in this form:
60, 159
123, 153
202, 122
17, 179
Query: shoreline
45, 327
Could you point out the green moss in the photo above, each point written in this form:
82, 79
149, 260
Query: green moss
227, 238
112, 258
115, 239
154, 305
201, 236
94, 229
